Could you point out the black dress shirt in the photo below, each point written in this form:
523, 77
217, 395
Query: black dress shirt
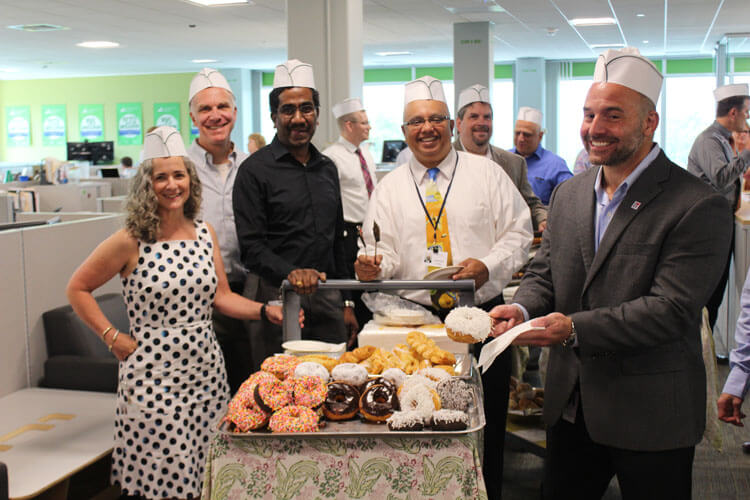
289, 215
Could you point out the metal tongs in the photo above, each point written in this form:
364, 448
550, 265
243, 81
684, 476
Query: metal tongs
375, 234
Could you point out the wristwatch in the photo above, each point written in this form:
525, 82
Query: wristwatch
572, 337
349, 303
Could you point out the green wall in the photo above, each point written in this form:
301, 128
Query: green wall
106, 90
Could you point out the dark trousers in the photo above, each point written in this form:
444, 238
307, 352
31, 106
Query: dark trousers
351, 248
576, 468
496, 384
718, 295
324, 319
234, 343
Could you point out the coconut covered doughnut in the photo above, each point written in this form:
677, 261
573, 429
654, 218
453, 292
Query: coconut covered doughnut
406, 421
415, 380
449, 420
349, 373
282, 366
294, 418
313, 369
434, 374
419, 398
309, 391
455, 394
394, 375
272, 395
468, 325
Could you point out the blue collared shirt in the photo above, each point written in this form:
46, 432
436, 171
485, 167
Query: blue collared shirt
738, 381
545, 171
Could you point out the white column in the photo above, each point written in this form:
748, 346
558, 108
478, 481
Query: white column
472, 56
529, 83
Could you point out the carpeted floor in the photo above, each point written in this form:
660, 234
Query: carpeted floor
717, 475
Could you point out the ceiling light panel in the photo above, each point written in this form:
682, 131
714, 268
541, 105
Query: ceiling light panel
583, 22
98, 44
218, 3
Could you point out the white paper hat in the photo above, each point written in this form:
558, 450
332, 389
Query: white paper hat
205, 78
425, 88
347, 106
163, 142
727, 91
528, 114
627, 67
294, 73
475, 93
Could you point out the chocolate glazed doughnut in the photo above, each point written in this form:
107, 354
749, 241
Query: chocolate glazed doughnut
342, 401
378, 403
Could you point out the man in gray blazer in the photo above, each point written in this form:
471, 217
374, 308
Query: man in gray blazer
474, 127
631, 253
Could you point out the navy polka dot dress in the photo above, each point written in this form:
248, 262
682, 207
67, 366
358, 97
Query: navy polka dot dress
173, 388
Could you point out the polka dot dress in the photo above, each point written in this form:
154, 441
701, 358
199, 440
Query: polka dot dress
173, 388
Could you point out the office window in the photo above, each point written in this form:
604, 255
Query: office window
267, 129
571, 96
690, 109
502, 111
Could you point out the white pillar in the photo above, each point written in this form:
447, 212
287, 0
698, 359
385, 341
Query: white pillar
529, 83
472, 56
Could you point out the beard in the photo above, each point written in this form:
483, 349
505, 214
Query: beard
624, 150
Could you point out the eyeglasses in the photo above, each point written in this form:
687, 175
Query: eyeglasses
419, 122
291, 109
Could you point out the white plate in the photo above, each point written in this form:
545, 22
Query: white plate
310, 346
444, 273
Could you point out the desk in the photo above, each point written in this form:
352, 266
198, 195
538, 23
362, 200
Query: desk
353, 467
47, 435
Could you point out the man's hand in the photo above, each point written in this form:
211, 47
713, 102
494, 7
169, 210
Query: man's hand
367, 268
474, 269
557, 328
729, 409
305, 281
542, 226
504, 318
350, 320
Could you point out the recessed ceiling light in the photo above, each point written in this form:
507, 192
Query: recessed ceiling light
99, 44
203, 61
640, 15
386, 54
645, 41
38, 27
484, 9
607, 45
215, 3
593, 21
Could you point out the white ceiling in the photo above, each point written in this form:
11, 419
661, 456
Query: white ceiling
162, 36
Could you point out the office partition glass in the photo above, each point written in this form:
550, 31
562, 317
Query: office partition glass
571, 96
690, 108
502, 110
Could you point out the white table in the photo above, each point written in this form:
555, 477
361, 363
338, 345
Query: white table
47, 435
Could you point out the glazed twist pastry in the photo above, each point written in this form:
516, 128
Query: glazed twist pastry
428, 350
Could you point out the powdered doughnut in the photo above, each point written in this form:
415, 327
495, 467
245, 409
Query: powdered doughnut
309, 391
449, 420
378, 402
349, 373
282, 366
419, 398
395, 375
406, 421
468, 325
342, 401
434, 374
455, 394
313, 369
271, 395
294, 418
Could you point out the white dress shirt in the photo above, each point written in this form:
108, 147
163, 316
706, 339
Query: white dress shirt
488, 220
353, 189
216, 207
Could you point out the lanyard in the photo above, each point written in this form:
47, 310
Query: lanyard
435, 223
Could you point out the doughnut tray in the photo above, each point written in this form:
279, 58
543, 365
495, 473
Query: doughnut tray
359, 428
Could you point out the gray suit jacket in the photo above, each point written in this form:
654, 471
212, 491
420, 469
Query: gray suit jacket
635, 302
515, 166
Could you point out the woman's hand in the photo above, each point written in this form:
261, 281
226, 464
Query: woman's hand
123, 346
275, 315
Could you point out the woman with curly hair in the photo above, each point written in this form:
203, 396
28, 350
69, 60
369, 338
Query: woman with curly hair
172, 383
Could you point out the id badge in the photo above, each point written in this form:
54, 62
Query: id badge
436, 258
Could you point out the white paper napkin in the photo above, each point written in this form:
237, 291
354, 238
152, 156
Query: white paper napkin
493, 349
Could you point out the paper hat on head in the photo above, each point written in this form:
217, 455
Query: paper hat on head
528, 114
475, 93
347, 106
163, 142
294, 73
734, 90
425, 88
205, 78
627, 67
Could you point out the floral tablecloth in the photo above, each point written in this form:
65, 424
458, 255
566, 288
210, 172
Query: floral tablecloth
383, 468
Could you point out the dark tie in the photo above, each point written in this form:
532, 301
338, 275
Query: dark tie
365, 172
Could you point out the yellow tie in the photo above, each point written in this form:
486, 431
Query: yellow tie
437, 237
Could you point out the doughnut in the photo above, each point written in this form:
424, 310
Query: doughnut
414, 380
312, 368
394, 375
281, 365
455, 394
434, 374
244, 413
342, 401
406, 421
468, 325
349, 373
294, 418
272, 395
419, 398
378, 381
324, 360
378, 403
309, 391
252, 380
449, 420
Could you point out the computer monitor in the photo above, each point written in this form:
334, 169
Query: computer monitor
110, 172
95, 152
391, 149
78, 151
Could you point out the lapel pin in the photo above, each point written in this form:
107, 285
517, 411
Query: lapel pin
636, 205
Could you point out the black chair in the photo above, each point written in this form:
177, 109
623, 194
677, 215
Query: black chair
77, 359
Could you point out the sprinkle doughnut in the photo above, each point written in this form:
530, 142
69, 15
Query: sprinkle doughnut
249, 384
309, 391
468, 325
434, 374
294, 419
282, 366
449, 420
419, 398
406, 421
311, 368
455, 394
395, 375
349, 373
245, 414
272, 395
342, 401
378, 402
